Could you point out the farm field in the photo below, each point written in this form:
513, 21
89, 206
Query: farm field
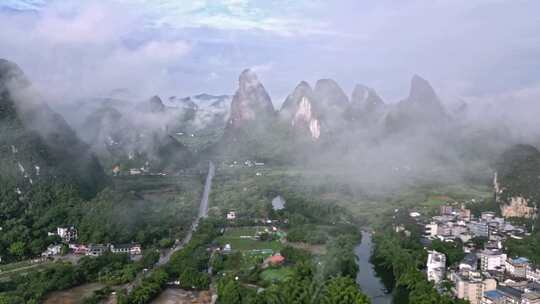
244, 239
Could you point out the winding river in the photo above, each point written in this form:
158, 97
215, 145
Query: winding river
367, 278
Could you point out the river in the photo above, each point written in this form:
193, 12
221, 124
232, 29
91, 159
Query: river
367, 278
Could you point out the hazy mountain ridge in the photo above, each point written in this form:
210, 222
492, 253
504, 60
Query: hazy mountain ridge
37, 143
320, 127
381, 144
421, 109
299, 110
366, 107
251, 105
135, 133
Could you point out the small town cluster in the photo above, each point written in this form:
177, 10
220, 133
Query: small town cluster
69, 236
486, 275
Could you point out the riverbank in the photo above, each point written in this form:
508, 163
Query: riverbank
367, 278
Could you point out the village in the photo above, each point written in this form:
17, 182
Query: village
259, 243
486, 274
69, 236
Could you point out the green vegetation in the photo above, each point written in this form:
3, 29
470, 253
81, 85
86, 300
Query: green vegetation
201, 140
518, 172
526, 247
189, 266
151, 210
145, 210
239, 189
31, 287
34, 135
453, 251
300, 286
25, 220
272, 275
150, 287
403, 256
98, 296
304, 277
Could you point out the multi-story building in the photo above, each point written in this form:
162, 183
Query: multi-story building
445, 229
469, 263
464, 214
492, 260
533, 274
52, 250
465, 237
68, 234
487, 215
436, 266
517, 267
471, 286
446, 210
431, 229
458, 230
96, 249
132, 249
479, 229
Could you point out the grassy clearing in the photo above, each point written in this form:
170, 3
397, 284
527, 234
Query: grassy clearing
6, 275
244, 239
276, 274
11, 266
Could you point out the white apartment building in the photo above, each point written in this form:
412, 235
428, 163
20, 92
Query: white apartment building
436, 266
492, 260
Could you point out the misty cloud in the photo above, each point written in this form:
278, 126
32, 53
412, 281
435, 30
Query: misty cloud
81, 51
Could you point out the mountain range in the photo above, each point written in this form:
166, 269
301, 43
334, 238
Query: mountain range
36, 143
321, 127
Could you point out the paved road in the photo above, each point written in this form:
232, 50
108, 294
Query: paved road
203, 212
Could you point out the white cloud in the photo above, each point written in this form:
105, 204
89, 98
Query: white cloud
22, 5
463, 47
80, 50
280, 17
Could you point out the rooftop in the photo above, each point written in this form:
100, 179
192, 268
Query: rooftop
532, 296
510, 291
121, 246
493, 295
470, 259
520, 260
276, 259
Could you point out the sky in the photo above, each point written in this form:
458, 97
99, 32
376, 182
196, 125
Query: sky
467, 49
